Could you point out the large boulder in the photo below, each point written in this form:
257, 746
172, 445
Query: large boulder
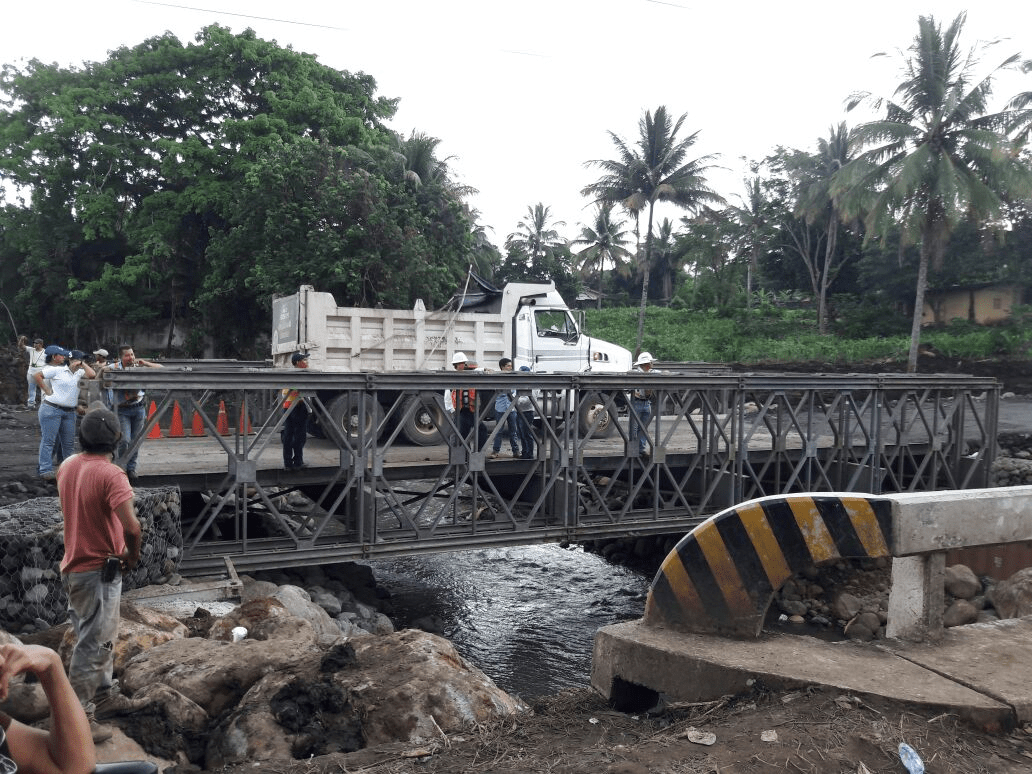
408, 686
1012, 598
214, 674
961, 582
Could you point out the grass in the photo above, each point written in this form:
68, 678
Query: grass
770, 334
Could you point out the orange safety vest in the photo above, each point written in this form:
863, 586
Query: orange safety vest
290, 397
463, 400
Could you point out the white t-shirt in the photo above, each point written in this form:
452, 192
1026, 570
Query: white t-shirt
65, 385
37, 359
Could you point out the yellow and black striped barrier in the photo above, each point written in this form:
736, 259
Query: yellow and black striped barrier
721, 577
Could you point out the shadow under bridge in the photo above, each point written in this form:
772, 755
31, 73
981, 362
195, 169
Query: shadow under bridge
389, 474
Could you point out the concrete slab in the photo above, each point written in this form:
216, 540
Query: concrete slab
991, 658
700, 667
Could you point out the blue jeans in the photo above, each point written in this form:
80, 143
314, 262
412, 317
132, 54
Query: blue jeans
93, 612
131, 419
525, 423
294, 435
643, 410
57, 436
514, 433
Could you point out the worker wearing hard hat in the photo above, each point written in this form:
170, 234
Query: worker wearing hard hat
463, 402
641, 402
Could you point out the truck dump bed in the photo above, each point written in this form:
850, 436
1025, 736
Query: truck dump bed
354, 339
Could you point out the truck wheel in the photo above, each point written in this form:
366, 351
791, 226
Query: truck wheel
345, 412
423, 426
594, 417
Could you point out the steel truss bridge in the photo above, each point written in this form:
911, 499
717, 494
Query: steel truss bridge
714, 440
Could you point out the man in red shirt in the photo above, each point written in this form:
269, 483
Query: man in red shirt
101, 537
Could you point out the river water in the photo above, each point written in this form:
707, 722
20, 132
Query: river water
525, 616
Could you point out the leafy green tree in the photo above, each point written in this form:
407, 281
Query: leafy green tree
818, 203
604, 245
936, 158
535, 237
753, 220
656, 169
708, 243
143, 180
1020, 122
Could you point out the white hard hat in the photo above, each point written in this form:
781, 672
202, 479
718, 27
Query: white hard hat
644, 357
458, 357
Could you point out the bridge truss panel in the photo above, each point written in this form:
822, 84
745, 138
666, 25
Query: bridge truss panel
712, 441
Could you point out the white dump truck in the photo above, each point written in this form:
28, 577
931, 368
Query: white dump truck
529, 323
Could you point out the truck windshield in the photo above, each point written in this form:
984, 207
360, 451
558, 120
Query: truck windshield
552, 322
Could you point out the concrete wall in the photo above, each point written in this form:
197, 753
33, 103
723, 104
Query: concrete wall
980, 305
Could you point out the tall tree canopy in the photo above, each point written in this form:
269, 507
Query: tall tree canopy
603, 244
655, 168
196, 181
937, 157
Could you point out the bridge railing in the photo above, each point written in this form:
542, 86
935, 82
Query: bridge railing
711, 441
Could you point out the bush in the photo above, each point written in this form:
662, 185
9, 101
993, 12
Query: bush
773, 334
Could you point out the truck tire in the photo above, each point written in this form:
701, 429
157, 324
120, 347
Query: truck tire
344, 410
593, 416
423, 426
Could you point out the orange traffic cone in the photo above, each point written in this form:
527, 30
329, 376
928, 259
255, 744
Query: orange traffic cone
222, 423
245, 422
197, 428
175, 430
155, 431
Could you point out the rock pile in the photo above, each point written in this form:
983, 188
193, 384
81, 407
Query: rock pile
32, 544
295, 687
1013, 464
852, 597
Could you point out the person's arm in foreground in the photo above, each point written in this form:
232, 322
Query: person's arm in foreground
68, 747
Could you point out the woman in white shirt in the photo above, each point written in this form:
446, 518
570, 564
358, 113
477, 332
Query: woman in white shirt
59, 381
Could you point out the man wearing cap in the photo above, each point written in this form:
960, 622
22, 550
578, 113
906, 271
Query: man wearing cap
100, 357
295, 426
37, 359
132, 412
641, 402
102, 539
59, 381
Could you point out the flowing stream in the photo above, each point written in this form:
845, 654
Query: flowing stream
526, 616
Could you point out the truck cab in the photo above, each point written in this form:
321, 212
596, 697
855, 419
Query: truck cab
543, 331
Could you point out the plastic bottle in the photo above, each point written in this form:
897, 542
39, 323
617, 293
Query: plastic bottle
911, 759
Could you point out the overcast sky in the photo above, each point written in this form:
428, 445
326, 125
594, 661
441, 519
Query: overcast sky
522, 94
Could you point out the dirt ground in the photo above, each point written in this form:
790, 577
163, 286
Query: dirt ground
577, 733
811, 731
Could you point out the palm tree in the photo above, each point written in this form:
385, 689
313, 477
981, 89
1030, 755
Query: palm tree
417, 155
604, 245
535, 237
653, 170
752, 222
485, 258
936, 158
1021, 105
664, 258
819, 201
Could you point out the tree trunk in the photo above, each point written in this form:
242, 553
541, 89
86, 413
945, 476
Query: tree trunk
825, 280
645, 282
922, 282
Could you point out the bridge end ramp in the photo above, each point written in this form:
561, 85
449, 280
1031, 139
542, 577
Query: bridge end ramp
721, 577
635, 665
